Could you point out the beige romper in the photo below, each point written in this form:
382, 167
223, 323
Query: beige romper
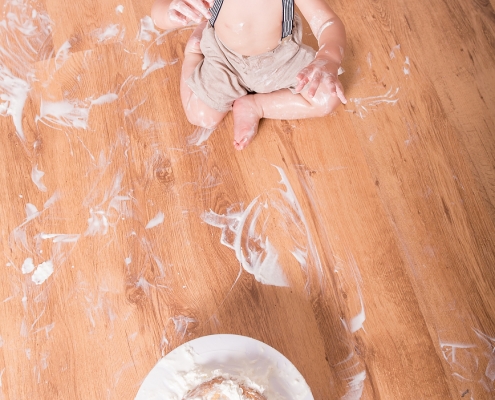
223, 76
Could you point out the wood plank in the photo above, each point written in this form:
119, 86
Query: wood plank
391, 199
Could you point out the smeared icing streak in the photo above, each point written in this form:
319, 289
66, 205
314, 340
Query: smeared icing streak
14, 93
64, 113
60, 237
266, 270
147, 29
181, 324
150, 65
363, 104
157, 220
25, 31
199, 136
355, 323
108, 205
239, 232
356, 387
472, 362
36, 176
63, 54
407, 66
70, 113
323, 27
109, 32
394, 49
100, 218
369, 58
19, 235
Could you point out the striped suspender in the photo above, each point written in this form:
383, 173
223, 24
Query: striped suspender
215, 10
287, 15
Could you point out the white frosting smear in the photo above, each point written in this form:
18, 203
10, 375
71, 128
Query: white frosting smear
157, 220
36, 176
245, 232
26, 32
43, 272
27, 266
147, 29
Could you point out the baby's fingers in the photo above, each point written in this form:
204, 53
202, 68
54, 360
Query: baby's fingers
186, 11
200, 6
303, 81
315, 83
177, 17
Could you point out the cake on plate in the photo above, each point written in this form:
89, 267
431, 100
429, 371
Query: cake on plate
221, 388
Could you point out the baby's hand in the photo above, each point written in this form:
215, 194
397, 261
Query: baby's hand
321, 70
185, 11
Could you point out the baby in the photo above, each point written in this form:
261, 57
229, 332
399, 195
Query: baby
248, 57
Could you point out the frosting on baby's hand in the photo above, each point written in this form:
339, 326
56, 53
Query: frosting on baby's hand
185, 11
319, 71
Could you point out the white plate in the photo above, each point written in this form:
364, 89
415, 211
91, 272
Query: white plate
201, 360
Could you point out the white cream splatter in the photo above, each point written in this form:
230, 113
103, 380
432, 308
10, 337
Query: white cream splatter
253, 249
147, 29
369, 58
106, 98
43, 272
27, 266
36, 176
72, 113
356, 387
26, 32
157, 220
66, 113
60, 237
363, 104
394, 49
31, 211
97, 223
63, 54
150, 66
181, 324
109, 32
119, 9
13, 94
407, 66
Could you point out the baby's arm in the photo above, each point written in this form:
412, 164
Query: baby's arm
169, 14
330, 33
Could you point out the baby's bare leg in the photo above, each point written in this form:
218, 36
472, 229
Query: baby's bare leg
282, 104
197, 112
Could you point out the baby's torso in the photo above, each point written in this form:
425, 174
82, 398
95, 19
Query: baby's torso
250, 27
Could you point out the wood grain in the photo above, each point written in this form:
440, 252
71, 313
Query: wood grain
395, 207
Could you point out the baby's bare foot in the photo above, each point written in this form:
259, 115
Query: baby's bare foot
247, 115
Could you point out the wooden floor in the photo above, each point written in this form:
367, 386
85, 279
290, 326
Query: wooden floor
382, 215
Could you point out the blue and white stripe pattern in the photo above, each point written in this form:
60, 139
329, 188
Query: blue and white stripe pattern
287, 15
215, 10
